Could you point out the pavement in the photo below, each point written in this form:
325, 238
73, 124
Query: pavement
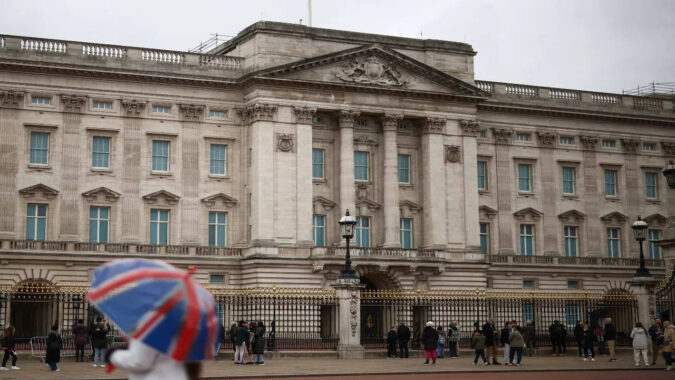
392, 369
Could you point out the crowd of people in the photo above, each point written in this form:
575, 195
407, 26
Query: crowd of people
248, 339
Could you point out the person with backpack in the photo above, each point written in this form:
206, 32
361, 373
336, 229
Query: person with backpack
392, 339
99, 341
9, 345
453, 339
504, 340
80, 339
530, 336
516, 344
478, 345
403, 340
430, 342
640, 339
54, 346
442, 337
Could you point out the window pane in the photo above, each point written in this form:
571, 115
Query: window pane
39, 148
30, 227
650, 182
403, 168
317, 163
481, 175
160, 155
41, 210
218, 159
163, 233
212, 235
153, 233
361, 166
103, 231
610, 182
568, 180
164, 215
41, 229
524, 177
93, 230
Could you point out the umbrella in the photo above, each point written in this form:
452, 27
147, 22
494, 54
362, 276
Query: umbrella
159, 304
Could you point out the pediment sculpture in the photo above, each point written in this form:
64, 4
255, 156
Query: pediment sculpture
371, 70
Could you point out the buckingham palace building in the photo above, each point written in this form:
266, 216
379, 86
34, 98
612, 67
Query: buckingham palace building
241, 160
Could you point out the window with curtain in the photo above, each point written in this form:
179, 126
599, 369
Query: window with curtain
36, 222
571, 314
651, 181
528, 312
160, 156
485, 237
527, 239
482, 175
363, 231
318, 163
610, 183
569, 175
159, 227
100, 152
218, 159
39, 148
99, 218
654, 250
217, 229
613, 242
524, 177
403, 168
319, 230
361, 172
571, 240
406, 231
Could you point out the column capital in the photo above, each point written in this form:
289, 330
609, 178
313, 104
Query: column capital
546, 139
434, 125
630, 145
133, 107
588, 142
390, 121
191, 112
502, 135
304, 115
11, 98
668, 148
346, 118
73, 103
257, 112
469, 127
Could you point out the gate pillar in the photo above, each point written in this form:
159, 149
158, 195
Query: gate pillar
643, 288
348, 293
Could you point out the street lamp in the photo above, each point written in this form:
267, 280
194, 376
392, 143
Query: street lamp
640, 232
347, 225
669, 173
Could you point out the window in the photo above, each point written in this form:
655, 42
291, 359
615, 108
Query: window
523, 136
39, 148
217, 279
40, 100
571, 241
362, 231
569, 177
361, 166
98, 224
651, 185
36, 222
482, 175
572, 285
361, 122
528, 312
219, 114
403, 168
159, 227
528, 284
161, 109
100, 152
485, 237
613, 246
527, 239
316, 119
525, 177
566, 140
101, 105
654, 250
217, 229
318, 163
609, 143
319, 230
649, 147
481, 135
403, 126
610, 183
218, 158
571, 314
406, 233
160, 156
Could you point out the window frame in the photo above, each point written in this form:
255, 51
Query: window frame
168, 156
574, 180
321, 165
612, 143
317, 228
155, 109
50, 100
47, 150
653, 149
615, 184
653, 248
359, 229
406, 170
487, 237
655, 186
98, 221
562, 140
94, 153
215, 113
523, 137
530, 166
224, 159
367, 155
403, 230
610, 251
216, 226
524, 235
36, 217
95, 102
567, 238
486, 181
159, 222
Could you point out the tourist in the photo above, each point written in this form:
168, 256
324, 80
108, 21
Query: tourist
403, 339
430, 342
221, 339
80, 339
478, 345
99, 341
8, 345
556, 333
610, 338
516, 344
579, 337
589, 340
652, 334
233, 335
453, 339
600, 335
392, 339
640, 343
248, 354
504, 340
240, 342
54, 346
668, 344
490, 334
441, 342
530, 336
258, 345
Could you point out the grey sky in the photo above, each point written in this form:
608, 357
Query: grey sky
602, 45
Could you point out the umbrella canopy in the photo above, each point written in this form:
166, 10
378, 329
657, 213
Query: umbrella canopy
159, 304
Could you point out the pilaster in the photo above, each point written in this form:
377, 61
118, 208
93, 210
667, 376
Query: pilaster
392, 211
73, 106
505, 222
303, 117
132, 205
469, 161
10, 104
191, 116
433, 181
347, 189
549, 171
591, 197
633, 191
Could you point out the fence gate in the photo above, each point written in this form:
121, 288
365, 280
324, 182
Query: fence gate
665, 297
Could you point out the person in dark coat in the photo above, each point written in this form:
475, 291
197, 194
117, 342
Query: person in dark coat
556, 333
392, 339
589, 340
99, 341
610, 338
258, 344
9, 345
240, 342
504, 340
530, 336
403, 339
490, 334
80, 338
233, 335
54, 346
579, 336
430, 342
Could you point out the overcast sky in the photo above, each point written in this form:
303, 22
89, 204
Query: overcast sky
602, 45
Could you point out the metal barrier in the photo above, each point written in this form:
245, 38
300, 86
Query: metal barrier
38, 345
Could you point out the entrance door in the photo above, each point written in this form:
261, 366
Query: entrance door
371, 325
32, 318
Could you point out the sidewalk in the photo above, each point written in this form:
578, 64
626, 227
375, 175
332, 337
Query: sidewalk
222, 369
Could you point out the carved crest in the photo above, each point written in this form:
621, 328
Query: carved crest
133, 106
486, 212
589, 142
364, 139
434, 125
408, 208
469, 127
452, 153
363, 204
668, 148
615, 218
656, 220
191, 111
11, 98
346, 118
322, 204
528, 214
630, 145
304, 115
154, 198
256, 112
73, 103
546, 138
502, 135
371, 70
285, 142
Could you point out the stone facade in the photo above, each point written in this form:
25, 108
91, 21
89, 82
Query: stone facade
271, 96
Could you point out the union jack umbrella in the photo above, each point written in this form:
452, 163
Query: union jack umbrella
160, 305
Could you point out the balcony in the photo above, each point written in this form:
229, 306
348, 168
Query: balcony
576, 261
395, 253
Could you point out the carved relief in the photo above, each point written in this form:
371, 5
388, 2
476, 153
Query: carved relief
572, 216
614, 218
434, 125
528, 214
390, 121
13, 99
353, 312
452, 153
486, 212
630, 145
257, 112
158, 196
100, 194
304, 115
656, 220
546, 138
371, 70
133, 107
502, 135
191, 111
365, 139
408, 208
39, 191
322, 204
285, 142
365, 206
224, 199
347, 117
73, 103
589, 142
469, 127
668, 148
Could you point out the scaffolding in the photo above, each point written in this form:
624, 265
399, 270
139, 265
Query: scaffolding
653, 89
204, 47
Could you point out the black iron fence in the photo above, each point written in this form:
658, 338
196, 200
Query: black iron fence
665, 297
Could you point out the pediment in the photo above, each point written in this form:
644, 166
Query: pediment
38, 190
486, 212
101, 194
373, 66
528, 214
614, 218
161, 196
572, 216
655, 220
365, 204
322, 204
409, 208
219, 198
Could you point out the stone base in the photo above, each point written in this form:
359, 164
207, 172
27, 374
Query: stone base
350, 352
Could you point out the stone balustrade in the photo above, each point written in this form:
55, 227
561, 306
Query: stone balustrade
580, 261
108, 51
377, 252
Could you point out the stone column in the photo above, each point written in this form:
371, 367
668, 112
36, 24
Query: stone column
549, 193
73, 106
591, 197
347, 192
132, 206
392, 211
633, 190
10, 130
433, 181
304, 116
471, 204
643, 288
504, 189
191, 116
348, 293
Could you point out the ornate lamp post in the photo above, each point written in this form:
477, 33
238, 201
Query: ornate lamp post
669, 173
640, 232
347, 226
